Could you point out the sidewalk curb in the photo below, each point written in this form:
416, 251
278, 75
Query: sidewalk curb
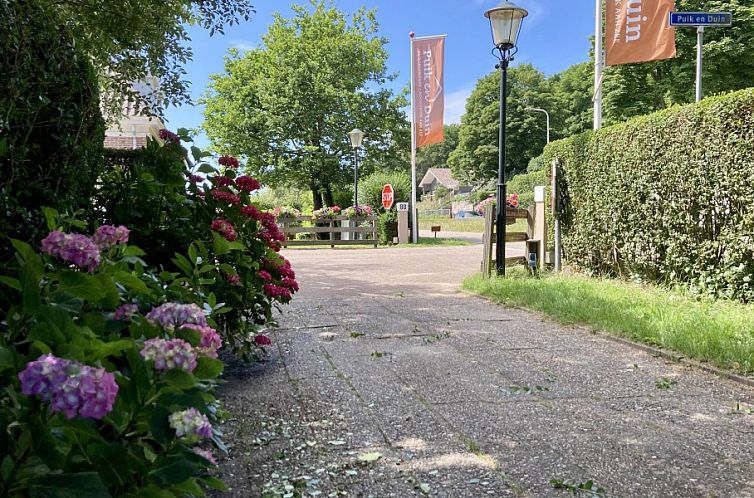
669, 355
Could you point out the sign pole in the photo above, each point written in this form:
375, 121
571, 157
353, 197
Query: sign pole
700, 20
414, 209
598, 65
699, 59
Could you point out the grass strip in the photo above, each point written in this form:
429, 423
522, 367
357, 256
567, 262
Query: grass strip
720, 332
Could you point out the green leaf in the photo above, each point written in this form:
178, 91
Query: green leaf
206, 168
80, 485
51, 217
192, 254
24, 249
132, 283
173, 469
180, 379
105, 349
133, 251
219, 245
81, 285
6, 358
6, 468
11, 282
214, 483
208, 368
183, 263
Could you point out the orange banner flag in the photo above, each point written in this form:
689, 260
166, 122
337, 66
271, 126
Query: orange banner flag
638, 31
427, 56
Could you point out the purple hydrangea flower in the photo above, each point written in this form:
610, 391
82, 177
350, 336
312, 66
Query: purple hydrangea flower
190, 423
73, 248
70, 387
171, 315
109, 235
210, 340
169, 354
43, 376
125, 311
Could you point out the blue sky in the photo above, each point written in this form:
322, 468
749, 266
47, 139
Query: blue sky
554, 36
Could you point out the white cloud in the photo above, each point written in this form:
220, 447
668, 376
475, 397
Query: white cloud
242, 45
455, 104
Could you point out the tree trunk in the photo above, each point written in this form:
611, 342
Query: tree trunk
316, 195
327, 194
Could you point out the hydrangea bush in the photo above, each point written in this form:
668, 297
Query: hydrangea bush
108, 381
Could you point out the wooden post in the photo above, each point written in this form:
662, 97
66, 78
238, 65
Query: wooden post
540, 225
487, 241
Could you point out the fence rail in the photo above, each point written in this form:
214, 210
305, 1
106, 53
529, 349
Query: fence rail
357, 235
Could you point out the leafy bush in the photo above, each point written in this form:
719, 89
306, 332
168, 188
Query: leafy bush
146, 190
211, 233
105, 392
387, 226
51, 130
524, 184
370, 188
667, 197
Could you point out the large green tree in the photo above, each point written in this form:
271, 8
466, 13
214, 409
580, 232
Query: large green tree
475, 160
132, 41
287, 106
436, 155
635, 89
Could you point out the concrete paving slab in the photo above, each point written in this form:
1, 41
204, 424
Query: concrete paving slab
379, 353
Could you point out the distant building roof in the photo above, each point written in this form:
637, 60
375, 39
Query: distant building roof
443, 176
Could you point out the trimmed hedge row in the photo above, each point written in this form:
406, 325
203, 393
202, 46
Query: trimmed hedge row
667, 197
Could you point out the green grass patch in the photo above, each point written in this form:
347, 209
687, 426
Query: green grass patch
475, 225
431, 241
721, 332
423, 242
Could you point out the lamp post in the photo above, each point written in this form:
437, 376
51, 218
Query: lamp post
356, 136
536, 109
505, 22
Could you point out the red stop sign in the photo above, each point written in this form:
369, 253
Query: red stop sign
388, 196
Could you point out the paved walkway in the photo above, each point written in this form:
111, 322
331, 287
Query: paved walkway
386, 382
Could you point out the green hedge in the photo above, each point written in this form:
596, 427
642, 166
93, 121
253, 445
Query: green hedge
667, 197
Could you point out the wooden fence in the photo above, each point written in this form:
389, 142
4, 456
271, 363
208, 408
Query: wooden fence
488, 239
358, 233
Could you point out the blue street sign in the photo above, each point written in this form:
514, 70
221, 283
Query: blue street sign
695, 19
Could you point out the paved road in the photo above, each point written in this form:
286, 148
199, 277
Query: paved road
380, 358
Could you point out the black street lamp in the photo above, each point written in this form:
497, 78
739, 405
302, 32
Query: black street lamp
356, 136
505, 21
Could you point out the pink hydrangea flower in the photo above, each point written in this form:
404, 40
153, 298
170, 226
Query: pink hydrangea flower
209, 342
233, 279
169, 354
190, 423
226, 197
70, 387
125, 311
247, 184
228, 161
169, 137
224, 228
262, 340
109, 235
73, 248
171, 315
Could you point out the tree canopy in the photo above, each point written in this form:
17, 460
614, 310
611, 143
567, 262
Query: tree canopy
134, 41
287, 106
636, 89
475, 160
